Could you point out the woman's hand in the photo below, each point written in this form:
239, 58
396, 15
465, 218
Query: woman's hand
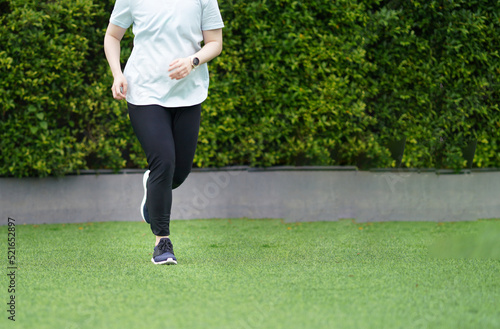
180, 68
119, 87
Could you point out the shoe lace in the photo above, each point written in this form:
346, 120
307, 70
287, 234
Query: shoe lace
165, 245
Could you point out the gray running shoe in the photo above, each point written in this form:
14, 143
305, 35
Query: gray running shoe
164, 253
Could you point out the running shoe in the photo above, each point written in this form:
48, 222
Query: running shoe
144, 209
164, 253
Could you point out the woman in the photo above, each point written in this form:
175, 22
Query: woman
164, 82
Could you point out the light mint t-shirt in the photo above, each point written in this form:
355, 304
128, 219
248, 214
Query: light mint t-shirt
165, 30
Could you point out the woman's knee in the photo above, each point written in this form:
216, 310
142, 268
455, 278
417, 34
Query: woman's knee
179, 177
162, 166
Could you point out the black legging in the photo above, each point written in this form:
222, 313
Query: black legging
169, 137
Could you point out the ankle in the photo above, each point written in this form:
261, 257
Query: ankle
158, 238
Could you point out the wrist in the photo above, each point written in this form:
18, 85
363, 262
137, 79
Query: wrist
195, 62
117, 73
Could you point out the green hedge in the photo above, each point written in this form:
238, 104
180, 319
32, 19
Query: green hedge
57, 116
314, 82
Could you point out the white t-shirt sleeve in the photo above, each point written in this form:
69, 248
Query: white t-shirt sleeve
121, 15
211, 18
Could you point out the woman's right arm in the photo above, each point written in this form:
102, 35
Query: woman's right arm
114, 35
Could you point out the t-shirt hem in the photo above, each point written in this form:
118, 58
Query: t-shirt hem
170, 104
212, 27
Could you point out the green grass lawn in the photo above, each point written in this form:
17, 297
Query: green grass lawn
242, 273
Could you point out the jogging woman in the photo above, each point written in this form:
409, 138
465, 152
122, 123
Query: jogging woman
164, 82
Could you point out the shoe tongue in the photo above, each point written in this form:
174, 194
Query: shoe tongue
164, 243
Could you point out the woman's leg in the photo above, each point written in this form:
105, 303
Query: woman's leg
186, 126
168, 137
153, 127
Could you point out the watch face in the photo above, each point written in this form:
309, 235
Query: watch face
196, 61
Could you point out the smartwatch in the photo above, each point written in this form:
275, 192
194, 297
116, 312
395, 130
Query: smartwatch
195, 62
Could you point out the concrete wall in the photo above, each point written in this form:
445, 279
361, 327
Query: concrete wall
295, 195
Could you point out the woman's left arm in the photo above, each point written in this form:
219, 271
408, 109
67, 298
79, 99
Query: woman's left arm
212, 48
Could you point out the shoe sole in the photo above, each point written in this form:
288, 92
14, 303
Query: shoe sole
144, 184
169, 261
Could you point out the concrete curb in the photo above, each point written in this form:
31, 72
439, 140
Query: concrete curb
308, 194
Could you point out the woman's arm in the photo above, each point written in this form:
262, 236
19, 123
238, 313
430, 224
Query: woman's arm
212, 47
114, 35
181, 67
